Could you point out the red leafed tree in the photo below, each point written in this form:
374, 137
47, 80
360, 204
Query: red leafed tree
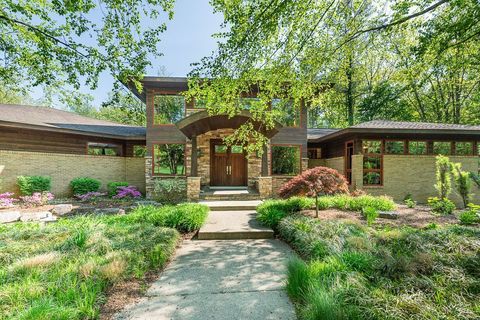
315, 182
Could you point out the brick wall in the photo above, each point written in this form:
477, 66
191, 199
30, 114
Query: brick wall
312, 163
62, 168
403, 174
335, 163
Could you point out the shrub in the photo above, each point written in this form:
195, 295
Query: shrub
37, 199
371, 214
475, 178
112, 187
441, 206
170, 191
270, 212
30, 184
463, 183
469, 217
314, 182
6, 199
83, 185
127, 192
443, 174
410, 203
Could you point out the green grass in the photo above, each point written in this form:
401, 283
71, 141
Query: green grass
270, 212
349, 203
62, 270
352, 271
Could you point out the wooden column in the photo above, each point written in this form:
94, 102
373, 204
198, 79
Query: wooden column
265, 161
194, 171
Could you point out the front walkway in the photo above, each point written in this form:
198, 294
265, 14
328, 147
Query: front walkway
220, 279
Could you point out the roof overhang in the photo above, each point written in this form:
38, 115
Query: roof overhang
413, 132
202, 122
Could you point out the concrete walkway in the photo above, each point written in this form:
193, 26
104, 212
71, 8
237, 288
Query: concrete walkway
220, 279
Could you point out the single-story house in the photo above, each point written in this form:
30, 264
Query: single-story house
183, 141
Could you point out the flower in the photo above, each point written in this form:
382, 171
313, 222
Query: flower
37, 199
127, 192
90, 195
6, 199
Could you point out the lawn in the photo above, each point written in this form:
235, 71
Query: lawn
63, 270
349, 270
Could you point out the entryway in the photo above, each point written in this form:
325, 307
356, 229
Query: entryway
228, 165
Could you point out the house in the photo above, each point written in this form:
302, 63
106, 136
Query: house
182, 141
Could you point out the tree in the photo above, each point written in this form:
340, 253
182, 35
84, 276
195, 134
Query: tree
123, 107
78, 40
315, 182
463, 183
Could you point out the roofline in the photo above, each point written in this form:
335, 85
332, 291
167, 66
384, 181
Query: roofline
71, 131
384, 130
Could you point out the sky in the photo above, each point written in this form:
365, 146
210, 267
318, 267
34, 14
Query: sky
188, 38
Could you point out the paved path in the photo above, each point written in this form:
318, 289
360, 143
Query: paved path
220, 279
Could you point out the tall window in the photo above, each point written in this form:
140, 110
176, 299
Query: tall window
417, 147
285, 160
463, 148
395, 147
286, 113
168, 109
169, 159
103, 149
372, 162
444, 148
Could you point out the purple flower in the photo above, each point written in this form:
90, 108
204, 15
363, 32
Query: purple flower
127, 192
6, 199
90, 195
37, 199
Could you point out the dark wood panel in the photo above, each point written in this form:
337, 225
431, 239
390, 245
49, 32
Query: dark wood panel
238, 165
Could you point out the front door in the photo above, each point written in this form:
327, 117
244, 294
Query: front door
228, 165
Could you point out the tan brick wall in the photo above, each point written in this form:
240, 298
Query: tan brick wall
62, 168
413, 174
312, 163
335, 163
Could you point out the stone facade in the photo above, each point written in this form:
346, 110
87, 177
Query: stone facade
265, 187
193, 188
62, 168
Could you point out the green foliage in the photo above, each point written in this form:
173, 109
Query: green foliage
371, 214
367, 273
410, 203
469, 217
83, 185
463, 183
441, 206
63, 270
113, 186
30, 184
270, 212
443, 174
185, 217
349, 203
170, 191
475, 178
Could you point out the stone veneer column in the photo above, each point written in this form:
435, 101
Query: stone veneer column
149, 185
265, 187
193, 188
265, 161
194, 158
304, 164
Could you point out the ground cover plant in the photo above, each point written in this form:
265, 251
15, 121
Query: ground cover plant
352, 271
62, 270
170, 191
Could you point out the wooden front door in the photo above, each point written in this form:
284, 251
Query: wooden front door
228, 165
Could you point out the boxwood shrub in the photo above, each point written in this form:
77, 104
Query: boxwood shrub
30, 184
82, 185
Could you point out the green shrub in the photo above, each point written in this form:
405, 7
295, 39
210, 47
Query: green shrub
463, 183
471, 216
410, 203
113, 186
441, 206
270, 212
371, 214
349, 203
83, 185
170, 191
30, 184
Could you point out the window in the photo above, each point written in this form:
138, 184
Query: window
285, 160
286, 113
169, 159
463, 148
168, 109
236, 149
314, 153
442, 147
372, 162
247, 103
139, 151
103, 149
394, 147
417, 147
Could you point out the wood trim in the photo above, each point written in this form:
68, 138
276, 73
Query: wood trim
345, 162
285, 145
184, 160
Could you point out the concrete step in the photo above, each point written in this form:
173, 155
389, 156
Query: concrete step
234, 205
233, 225
240, 197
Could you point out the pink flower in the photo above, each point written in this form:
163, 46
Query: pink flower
37, 199
127, 192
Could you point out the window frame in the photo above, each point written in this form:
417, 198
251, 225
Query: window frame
117, 147
299, 120
166, 93
472, 149
452, 147
405, 146
299, 146
169, 174
414, 154
373, 155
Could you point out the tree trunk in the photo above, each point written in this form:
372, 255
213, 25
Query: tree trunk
349, 93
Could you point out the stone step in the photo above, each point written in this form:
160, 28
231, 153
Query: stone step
234, 205
233, 225
240, 197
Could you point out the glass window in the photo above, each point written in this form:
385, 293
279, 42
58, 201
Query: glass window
168, 109
139, 151
220, 148
372, 146
463, 148
417, 147
169, 159
286, 113
372, 178
285, 160
101, 149
394, 147
314, 153
372, 162
237, 149
442, 147
247, 103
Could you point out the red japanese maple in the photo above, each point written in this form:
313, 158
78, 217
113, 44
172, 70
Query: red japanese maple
315, 182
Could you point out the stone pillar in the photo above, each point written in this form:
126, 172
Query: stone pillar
193, 188
149, 181
265, 161
265, 187
194, 170
304, 164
